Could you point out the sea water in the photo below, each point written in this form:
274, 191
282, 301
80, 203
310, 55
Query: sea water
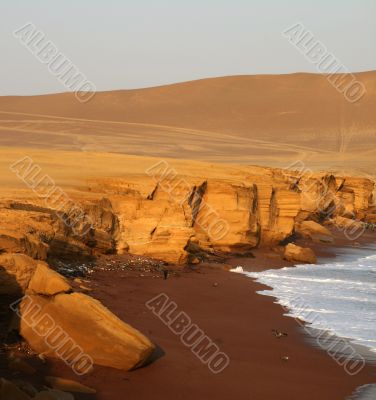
335, 296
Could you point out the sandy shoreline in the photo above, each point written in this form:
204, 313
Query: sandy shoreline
227, 307
240, 321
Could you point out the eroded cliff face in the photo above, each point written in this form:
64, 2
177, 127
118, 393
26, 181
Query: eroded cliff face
171, 219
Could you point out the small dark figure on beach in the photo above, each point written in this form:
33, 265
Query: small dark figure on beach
279, 334
165, 274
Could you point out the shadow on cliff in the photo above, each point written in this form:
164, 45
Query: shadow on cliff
10, 292
69, 258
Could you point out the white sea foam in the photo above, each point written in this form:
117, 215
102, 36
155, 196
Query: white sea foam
339, 297
238, 270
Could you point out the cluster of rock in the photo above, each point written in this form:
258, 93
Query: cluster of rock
55, 389
170, 220
58, 322
85, 321
176, 221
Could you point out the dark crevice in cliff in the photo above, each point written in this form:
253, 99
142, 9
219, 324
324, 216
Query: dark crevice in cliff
32, 207
255, 203
295, 186
342, 184
152, 194
273, 209
253, 235
152, 232
289, 239
195, 200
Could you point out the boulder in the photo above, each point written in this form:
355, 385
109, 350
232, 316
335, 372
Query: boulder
315, 231
346, 223
53, 395
299, 254
16, 271
68, 385
351, 228
47, 282
79, 329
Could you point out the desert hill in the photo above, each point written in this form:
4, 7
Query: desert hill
264, 119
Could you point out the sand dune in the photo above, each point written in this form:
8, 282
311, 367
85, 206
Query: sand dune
267, 119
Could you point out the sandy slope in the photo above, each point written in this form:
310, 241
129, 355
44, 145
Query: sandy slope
268, 119
74, 170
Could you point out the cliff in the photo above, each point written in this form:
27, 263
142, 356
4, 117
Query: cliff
177, 218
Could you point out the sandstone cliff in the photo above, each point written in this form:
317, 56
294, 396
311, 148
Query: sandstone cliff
168, 217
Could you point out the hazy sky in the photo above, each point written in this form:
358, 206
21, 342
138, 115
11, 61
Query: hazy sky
122, 44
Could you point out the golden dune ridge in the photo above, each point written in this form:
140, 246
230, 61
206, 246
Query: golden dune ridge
271, 120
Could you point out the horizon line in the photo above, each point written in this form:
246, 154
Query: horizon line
192, 81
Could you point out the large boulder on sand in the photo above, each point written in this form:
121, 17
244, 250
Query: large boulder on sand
75, 323
299, 254
315, 231
81, 331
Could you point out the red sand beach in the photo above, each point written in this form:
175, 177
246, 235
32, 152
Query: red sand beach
240, 322
226, 306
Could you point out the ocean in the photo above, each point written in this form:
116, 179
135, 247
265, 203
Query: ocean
337, 296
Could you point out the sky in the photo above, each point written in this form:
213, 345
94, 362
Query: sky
123, 44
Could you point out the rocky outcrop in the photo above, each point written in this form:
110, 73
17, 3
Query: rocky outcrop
20, 390
156, 227
282, 208
163, 216
16, 271
72, 326
225, 216
327, 195
40, 232
162, 220
91, 333
68, 385
314, 231
299, 254
47, 282
352, 228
